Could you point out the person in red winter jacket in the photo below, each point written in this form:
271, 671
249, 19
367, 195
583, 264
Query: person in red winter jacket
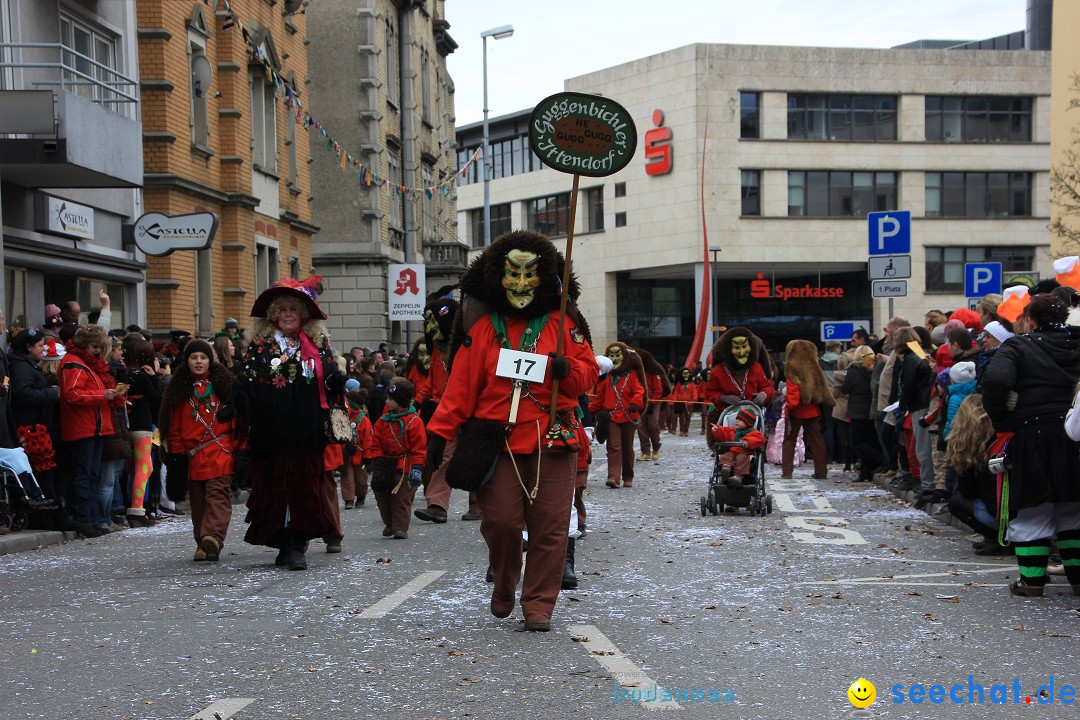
623, 396
735, 462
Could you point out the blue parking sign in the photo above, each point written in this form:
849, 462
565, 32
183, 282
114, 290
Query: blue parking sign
890, 232
982, 279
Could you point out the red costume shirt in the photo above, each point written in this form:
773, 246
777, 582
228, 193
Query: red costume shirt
794, 403
684, 393
654, 386
187, 433
753, 438
403, 438
438, 376
744, 384
474, 390
364, 438
616, 393
420, 383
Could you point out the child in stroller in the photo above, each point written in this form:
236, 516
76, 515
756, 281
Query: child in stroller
738, 477
739, 443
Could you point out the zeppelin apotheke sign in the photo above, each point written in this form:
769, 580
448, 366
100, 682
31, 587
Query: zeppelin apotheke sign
158, 234
582, 134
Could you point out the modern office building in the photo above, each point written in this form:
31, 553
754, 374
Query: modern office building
220, 136
389, 103
775, 156
71, 163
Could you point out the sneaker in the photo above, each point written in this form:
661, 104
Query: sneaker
333, 547
656, 455
350, 504
1024, 588
386, 531
401, 535
175, 511
431, 514
140, 521
472, 515
644, 456
1052, 568
908, 483
200, 556
991, 547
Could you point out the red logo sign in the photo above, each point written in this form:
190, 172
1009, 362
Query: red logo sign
657, 149
406, 283
762, 288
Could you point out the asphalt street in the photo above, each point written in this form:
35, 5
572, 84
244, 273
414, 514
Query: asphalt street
733, 616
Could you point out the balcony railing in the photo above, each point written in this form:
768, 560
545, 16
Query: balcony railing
45, 65
453, 255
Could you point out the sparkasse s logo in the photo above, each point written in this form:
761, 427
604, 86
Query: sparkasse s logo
760, 288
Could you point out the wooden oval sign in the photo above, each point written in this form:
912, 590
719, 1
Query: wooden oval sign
582, 134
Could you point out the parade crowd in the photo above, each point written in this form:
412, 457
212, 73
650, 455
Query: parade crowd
104, 428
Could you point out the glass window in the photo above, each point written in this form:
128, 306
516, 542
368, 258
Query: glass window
263, 123
620, 219
425, 85
393, 174
749, 114
427, 174
594, 209
840, 193
88, 290
550, 215
945, 265
393, 78
15, 303
997, 194
978, 118
860, 118
620, 189
751, 192
83, 46
199, 128
500, 223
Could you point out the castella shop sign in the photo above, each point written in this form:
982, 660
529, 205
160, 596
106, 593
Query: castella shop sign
582, 134
158, 234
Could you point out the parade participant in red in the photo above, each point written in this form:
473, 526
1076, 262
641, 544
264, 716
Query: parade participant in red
622, 396
685, 396
417, 369
523, 464
807, 391
397, 456
188, 425
354, 480
741, 370
658, 386
438, 321
735, 462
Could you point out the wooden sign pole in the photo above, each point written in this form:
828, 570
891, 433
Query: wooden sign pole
565, 292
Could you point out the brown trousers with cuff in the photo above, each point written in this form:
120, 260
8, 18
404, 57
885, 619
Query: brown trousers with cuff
436, 490
507, 511
395, 509
812, 439
581, 481
211, 507
354, 484
648, 430
620, 452
330, 491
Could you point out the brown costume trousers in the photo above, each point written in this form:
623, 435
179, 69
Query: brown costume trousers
648, 430
507, 512
581, 481
396, 508
330, 491
739, 462
620, 452
437, 492
667, 416
211, 507
812, 438
353, 482
683, 418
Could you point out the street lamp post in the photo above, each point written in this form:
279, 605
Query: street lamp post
503, 31
716, 250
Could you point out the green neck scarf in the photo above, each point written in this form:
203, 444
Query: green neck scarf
528, 338
395, 417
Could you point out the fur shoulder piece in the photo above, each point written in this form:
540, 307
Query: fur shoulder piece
802, 364
653, 367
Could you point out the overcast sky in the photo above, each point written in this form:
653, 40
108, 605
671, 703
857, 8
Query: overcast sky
558, 39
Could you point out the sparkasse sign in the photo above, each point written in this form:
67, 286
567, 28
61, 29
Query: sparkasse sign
158, 234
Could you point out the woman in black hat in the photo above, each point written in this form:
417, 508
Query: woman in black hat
280, 398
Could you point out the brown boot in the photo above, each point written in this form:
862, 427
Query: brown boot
211, 547
628, 483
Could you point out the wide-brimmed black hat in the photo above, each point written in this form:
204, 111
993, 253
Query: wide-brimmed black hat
304, 291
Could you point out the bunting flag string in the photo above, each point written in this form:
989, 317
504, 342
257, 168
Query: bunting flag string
366, 176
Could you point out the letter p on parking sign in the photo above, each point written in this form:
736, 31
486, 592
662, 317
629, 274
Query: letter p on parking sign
890, 232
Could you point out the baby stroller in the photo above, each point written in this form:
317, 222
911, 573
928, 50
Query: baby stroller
722, 490
19, 491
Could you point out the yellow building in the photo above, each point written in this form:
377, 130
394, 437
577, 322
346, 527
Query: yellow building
220, 136
1064, 126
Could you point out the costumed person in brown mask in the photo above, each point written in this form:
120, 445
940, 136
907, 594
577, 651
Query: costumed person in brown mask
658, 386
438, 321
807, 391
684, 393
280, 399
417, 369
622, 396
741, 371
523, 464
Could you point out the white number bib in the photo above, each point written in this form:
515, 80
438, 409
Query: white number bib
517, 365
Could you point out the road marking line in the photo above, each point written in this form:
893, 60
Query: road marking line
887, 580
621, 667
912, 560
222, 709
403, 593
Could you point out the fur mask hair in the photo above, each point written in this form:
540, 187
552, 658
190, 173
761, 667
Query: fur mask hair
653, 367
802, 365
721, 352
444, 310
179, 390
414, 360
483, 279
631, 361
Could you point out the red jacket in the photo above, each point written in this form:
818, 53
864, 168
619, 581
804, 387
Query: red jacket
753, 438
794, 403
84, 411
474, 390
364, 438
724, 382
420, 383
187, 433
437, 377
408, 445
684, 393
616, 393
655, 387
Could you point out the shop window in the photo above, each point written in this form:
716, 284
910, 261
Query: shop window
749, 115
751, 192
594, 209
974, 119
550, 215
978, 194
945, 265
852, 118
839, 193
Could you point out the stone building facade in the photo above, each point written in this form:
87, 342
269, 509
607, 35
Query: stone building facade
390, 104
219, 136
